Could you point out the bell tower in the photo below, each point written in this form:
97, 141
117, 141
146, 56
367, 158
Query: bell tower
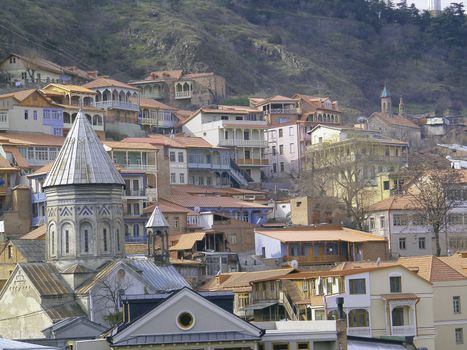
84, 203
158, 228
386, 104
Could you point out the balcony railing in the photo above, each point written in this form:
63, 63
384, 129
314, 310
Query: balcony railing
95, 127
359, 331
243, 143
118, 105
136, 239
140, 167
310, 260
258, 162
283, 111
183, 94
404, 331
215, 166
135, 193
158, 122
38, 197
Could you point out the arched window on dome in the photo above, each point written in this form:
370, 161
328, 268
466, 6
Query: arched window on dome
52, 244
85, 237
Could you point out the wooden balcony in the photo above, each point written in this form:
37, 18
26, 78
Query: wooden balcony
253, 162
183, 94
315, 260
243, 143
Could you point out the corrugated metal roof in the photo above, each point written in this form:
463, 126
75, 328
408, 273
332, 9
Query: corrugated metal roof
13, 344
161, 278
46, 279
157, 219
82, 159
32, 250
187, 338
59, 312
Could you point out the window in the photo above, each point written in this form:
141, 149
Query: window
233, 239
201, 181
395, 284
386, 185
419, 219
459, 332
104, 237
67, 241
172, 178
281, 133
26, 114
185, 320
280, 346
281, 149
291, 131
208, 181
180, 157
382, 221
274, 167
224, 117
246, 135
456, 304
24, 75
400, 220
177, 222
243, 299
357, 286
238, 118
292, 148
282, 167
10, 252
118, 239
359, 318
372, 223
172, 156
273, 150
402, 244
247, 154
136, 209
34, 115
182, 178
421, 243
86, 241
455, 219
319, 315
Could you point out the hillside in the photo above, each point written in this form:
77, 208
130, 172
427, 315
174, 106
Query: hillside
346, 49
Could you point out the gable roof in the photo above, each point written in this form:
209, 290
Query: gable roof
150, 103
82, 159
103, 82
67, 88
167, 207
396, 119
31, 250
30, 138
457, 262
431, 268
238, 329
192, 201
46, 279
19, 95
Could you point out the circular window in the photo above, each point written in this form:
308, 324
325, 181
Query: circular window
185, 320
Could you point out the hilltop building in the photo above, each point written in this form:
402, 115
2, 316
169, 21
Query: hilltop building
23, 70
177, 88
395, 126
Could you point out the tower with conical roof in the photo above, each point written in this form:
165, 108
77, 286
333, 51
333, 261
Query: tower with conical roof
84, 202
158, 226
386, 104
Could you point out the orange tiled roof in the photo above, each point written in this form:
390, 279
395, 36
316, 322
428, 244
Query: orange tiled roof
192, 201
431, 268
156, 139
319, 233
38, 233
19, 95
457, 262
5, 164
30, 138
401, 202
195, 142
130, 145
400, 296
395, 120
165, 74
107, 82
167, 207
42, 170
150, 103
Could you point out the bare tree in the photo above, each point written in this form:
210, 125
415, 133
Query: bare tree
436, 191
335, 174
108, 295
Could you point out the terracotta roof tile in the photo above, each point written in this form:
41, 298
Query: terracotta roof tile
107, 82
130, 145
150, 103
400, 296
431, 268
167, 207
401, 202
395, 120
38, 233
30, 138
192, 201
18, 95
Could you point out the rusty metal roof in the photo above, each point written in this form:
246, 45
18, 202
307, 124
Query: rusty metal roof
82, 159
46, 279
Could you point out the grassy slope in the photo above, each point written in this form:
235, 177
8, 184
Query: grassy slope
341, 57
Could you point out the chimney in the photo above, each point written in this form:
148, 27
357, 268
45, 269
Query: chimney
341, 325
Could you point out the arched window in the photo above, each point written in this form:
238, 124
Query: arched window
104, 238
52, 239
118, 239
66, 118
359, 318
85, 237
67, 241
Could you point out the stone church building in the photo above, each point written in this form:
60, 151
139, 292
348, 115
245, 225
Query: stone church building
85, 270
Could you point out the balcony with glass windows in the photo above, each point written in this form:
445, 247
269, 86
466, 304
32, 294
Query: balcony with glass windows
135, 160
38, 197
4, 121
116, 104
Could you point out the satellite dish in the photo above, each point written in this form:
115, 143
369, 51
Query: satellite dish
294, 264
197, 209
362, 120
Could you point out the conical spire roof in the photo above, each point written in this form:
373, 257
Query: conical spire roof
82, 159
157, 219
385, 92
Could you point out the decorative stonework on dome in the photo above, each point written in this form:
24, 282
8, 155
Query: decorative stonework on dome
82, 159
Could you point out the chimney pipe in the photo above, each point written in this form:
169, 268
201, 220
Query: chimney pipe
341, 325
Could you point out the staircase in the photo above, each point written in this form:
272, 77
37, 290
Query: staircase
238, 174
284, 299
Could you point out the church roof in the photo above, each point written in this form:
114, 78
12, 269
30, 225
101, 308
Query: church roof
46, 279
32, 250
157, 219
82, 159
385, 92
